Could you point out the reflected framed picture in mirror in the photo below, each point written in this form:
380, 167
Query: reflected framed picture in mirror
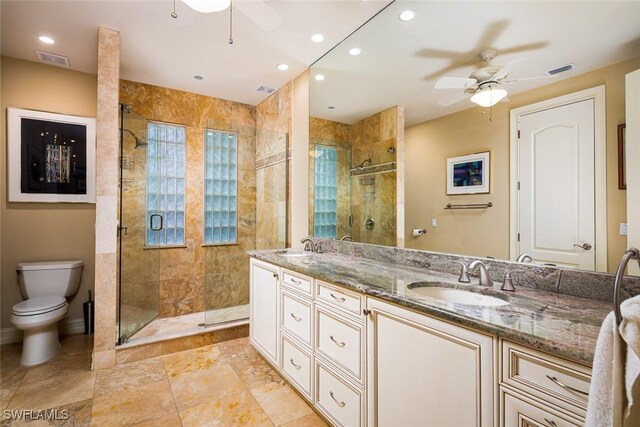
622, 169
468, 174
51, 157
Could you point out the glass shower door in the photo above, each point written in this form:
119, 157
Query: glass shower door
138, 270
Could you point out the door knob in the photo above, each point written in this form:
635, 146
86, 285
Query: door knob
585, 246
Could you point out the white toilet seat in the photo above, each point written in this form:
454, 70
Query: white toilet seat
39, 305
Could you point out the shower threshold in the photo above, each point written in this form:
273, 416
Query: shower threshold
168, 328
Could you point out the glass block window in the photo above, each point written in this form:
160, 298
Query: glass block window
220, 187
165, 185
325, 192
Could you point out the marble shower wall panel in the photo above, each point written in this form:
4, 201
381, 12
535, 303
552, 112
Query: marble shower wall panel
273, 122
333, 134
374, 195
184, 273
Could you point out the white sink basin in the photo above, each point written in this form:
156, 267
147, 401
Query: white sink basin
457, 296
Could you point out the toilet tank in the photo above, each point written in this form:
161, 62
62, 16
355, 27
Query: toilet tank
53, 278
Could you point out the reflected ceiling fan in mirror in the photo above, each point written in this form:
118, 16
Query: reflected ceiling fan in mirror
484, 86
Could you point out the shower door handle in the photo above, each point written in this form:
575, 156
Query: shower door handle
151, 227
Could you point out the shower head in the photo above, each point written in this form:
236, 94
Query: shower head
361, 165
140, 142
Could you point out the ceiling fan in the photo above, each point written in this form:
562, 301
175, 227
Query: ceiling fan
484, 84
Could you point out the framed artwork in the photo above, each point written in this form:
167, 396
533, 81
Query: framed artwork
51, 157
622, 168
468, 174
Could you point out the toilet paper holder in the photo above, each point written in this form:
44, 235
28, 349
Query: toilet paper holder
418, 232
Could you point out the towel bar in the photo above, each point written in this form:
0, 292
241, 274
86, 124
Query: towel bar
470, 206
631, 253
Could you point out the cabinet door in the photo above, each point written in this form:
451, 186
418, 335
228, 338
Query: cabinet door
264, 322
423, 371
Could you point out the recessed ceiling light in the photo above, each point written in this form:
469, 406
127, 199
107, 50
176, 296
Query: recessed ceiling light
198, 77
46, 39
283, 67
355, 51
317, 38
319, 77
407, 15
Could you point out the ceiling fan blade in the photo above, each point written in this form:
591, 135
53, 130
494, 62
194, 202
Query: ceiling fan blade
454, 83
452, 99
524, 79
503, 72
491, 34
262, 14
437, 53
524, 48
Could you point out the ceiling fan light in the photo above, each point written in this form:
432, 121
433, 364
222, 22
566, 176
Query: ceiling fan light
488, 96
207, 6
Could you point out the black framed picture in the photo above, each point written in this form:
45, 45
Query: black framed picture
51, 157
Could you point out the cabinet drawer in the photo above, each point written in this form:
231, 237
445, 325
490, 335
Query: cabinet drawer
297, 366
339, 401
296, 282
521, 411
551, 378
340, 340
339, 298
296, 317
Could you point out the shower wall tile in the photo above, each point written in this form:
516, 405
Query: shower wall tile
182, 295
174, 106
176, 275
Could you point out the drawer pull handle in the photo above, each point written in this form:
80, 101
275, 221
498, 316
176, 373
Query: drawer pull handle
566, 387
551, 422
294, 364
340, 404
296, 282
297, 319
339, 299
339, 344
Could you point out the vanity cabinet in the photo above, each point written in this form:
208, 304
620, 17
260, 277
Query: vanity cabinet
424, 371
366, 362
264, 322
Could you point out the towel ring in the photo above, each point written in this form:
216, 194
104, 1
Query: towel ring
631, 253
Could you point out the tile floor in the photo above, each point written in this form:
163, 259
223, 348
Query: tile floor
225, 384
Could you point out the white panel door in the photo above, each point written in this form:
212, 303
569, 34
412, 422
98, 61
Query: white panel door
556, 175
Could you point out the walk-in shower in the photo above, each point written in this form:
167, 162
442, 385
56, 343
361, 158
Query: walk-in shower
187, 217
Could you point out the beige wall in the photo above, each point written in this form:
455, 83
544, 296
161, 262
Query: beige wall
486, 232
633, 158
44, 231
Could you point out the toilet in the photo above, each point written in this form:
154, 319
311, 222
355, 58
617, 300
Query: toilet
45, 286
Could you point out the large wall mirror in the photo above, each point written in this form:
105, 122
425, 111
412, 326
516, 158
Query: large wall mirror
397, 144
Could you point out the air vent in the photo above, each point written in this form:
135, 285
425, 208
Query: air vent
266, 89
562, 69
52, 59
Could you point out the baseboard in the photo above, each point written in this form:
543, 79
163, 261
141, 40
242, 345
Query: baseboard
66, 327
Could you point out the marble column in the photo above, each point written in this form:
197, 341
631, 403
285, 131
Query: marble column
104, 353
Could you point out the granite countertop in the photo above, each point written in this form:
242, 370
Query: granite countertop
563, 325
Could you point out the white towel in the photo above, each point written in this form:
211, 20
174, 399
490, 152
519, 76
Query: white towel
616, 368
630, 332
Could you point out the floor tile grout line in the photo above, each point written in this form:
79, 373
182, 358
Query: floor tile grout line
171, 388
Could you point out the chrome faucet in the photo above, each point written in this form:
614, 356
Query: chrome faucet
507, 284
464, 274
484, 277
524, 258
346, 238
309, 244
